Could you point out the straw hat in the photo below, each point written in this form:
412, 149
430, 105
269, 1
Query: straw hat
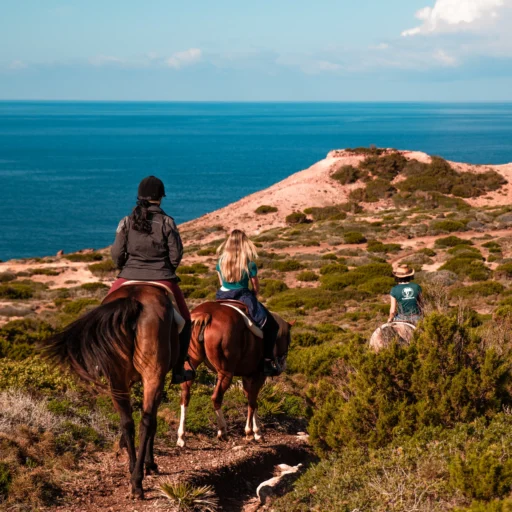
403, 271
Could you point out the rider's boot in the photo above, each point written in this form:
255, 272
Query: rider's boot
270, 330
179, 374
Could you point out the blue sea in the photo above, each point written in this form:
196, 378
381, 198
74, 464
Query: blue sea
69, 170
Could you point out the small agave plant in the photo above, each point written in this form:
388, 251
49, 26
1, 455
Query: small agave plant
189, 498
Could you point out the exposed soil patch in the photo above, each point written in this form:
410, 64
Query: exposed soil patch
234, 469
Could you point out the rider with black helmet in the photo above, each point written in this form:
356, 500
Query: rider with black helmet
148, 247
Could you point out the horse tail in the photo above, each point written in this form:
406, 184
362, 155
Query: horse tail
199, 323
94, 344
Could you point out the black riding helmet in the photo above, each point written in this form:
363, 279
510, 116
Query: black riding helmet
151, 189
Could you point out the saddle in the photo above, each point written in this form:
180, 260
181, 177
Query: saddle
180, 321
243, 310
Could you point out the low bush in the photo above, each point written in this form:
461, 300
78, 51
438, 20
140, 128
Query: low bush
94, 287
468, 267
354, 237
376, 246
207, 251
307, 276
287, 265
333, 268
307, 298
387, 167
270, 287
78, 306
347, 174
296, 218
43, 272
6, 277
447, 225
85, 257
314, 361
326, 213
451, 241
195, 268
103, 268
484, 289
16, 291
378, 285
445, 376
358, 276
265, 209
428, 252
505, 269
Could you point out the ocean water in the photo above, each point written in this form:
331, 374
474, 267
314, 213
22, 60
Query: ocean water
69, 170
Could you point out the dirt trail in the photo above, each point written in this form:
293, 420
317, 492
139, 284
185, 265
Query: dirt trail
234, 469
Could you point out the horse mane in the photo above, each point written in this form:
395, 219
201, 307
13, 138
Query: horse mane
284, 326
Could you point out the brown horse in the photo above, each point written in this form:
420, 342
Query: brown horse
221, 339
130, 337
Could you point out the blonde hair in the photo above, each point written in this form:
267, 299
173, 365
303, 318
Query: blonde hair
235, 255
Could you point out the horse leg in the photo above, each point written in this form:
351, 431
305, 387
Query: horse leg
121, 400
223, 383
149, 460
152, 396
252, 387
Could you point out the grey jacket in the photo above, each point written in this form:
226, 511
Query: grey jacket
148, 257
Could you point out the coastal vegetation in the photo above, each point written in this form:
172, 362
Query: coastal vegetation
425, 426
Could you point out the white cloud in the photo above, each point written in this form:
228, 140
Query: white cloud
17, 64
380, 46
183, 59
105, 60
450, 15
443, 58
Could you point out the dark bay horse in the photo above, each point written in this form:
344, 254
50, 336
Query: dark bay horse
221, 339
130, 337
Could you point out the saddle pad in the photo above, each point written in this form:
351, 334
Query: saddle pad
180, 321
237, 303
248, 322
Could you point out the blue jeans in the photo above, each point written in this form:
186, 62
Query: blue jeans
257, 312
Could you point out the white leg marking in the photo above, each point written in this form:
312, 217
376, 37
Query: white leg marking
221, 422
248, 425
256, 426
181, 428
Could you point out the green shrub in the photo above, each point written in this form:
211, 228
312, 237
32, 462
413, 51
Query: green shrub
86, 257
307, 276
79, 305
333, 268
94, 287
270, 287
484, 289
505, 269
102, 269
347, 174
354, 237
362, 274
264, 209
5, 480
287, 265
376, 246
452, 241
330, 256
464, 249
313, 361
447, 225
16, 291
378, 189
6, 277
207, 251
378, 285
195, 268
43, 272
445, 376
307, 298
428, 252
372, 150
387, 167
326, 213
296, 218
469, 267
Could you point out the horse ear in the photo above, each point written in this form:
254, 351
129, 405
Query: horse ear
292, 323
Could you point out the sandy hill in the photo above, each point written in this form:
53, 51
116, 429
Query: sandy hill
314, 187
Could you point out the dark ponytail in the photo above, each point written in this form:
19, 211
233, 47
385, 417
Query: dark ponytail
141, 218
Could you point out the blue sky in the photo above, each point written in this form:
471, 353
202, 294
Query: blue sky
297, 50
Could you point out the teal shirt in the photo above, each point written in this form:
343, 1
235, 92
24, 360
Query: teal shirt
406, 296
244, 282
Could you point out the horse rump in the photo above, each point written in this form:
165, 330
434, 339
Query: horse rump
93, 344
200, 320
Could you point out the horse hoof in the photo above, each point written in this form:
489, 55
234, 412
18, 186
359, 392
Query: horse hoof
180, 442
258, 438
138, 494
152, 469
221, 436
249, 438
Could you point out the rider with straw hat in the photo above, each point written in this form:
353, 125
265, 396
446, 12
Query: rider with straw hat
406, 297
